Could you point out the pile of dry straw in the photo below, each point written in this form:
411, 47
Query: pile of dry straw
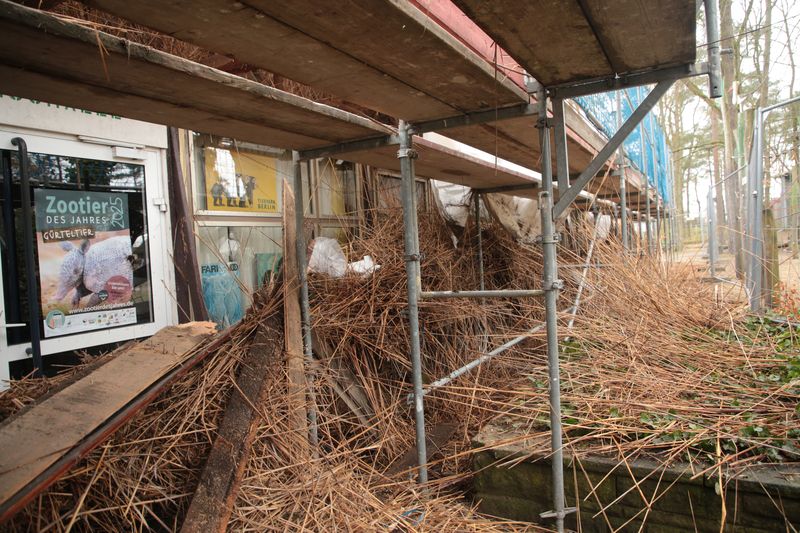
652, 367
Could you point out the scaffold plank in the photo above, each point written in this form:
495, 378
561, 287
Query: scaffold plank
388, 56
38, 438
568, 41
43, 57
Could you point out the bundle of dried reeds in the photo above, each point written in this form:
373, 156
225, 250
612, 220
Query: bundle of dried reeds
144, 476
652, 367
656, 367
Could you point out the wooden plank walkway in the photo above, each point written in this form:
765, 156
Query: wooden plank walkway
568, 41
39, 437
406, 65
59, 62
388, 56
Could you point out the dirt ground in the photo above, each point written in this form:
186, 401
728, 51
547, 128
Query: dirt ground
732, 289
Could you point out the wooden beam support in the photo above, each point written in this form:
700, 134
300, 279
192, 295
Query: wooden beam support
213, 500
292, 325
45, 441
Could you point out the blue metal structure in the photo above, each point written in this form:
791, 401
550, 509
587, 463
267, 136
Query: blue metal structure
602, 110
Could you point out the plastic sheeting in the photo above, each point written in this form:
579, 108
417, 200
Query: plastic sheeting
648, 137
328, 258
519, 216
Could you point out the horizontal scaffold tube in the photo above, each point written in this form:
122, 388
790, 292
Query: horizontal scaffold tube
482, 294
482, 359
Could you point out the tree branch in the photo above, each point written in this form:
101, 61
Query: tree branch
695, 90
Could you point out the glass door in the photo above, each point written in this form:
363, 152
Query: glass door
100, 246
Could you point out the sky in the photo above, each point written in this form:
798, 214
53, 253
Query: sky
785, 12
696, 114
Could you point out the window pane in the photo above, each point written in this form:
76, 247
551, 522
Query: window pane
234, 261
337, 188
233, 180
92, 252
390, 189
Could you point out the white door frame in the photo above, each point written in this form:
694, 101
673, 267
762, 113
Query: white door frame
162, 279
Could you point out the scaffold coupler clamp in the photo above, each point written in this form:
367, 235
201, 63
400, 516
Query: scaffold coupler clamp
414, 258
543, 123
561, 515
555, 238
555, 285
407, 152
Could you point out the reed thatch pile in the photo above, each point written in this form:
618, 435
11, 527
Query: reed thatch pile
653, 366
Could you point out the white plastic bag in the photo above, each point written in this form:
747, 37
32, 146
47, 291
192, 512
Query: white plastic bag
364, 267
327, 258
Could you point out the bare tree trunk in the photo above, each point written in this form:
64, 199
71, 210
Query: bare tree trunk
794, 205
729, 126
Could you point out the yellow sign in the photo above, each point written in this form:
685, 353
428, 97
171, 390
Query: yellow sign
240, 181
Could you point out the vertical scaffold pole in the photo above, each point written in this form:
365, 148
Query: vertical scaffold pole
646, 181
669, 232
647, 213
477, 196
654, 160
406, 156
551, 285
305, 309
623, 199
714, 49
658, 222
712, 233
756, 203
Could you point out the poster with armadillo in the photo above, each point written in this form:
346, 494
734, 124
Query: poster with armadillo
85, 260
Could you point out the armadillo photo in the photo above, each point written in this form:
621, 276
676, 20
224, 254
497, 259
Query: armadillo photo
101, 270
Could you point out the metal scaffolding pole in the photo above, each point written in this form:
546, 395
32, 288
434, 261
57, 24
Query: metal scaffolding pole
755, 182
598, 161
551, 285
658, 223
646, 185
713, 40
673, 237
500, 293
654, 159
584, 275
668, 230
481, 359
305, 310
755, 204
712, 232
623, 198
411, 239
674, 228
477, 196
647, 214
